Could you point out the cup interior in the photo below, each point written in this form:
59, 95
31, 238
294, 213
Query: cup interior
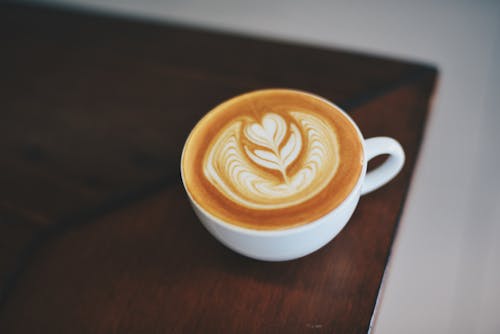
247, 230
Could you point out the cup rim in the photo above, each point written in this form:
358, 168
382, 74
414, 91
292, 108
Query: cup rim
287, 230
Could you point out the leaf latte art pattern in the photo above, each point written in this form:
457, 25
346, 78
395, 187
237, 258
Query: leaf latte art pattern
275, 162
270, 136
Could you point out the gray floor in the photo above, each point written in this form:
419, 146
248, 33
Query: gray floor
444, 273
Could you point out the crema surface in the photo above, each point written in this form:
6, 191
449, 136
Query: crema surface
272, 159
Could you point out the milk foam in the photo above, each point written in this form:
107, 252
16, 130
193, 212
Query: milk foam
274, 162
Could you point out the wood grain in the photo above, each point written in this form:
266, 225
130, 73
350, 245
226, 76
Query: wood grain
14, 249
94, 113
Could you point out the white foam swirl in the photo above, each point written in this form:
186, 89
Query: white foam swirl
256, 171
270, 135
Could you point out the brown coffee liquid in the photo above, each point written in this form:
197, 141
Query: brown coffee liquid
272, 159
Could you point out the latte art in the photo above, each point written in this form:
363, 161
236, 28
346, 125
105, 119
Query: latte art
272, 159
275, 162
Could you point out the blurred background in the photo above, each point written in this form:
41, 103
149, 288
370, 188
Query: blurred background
444, 271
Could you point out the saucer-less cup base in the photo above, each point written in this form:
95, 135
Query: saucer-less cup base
282, 245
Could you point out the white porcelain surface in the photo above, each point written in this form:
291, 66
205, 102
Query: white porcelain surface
281, 245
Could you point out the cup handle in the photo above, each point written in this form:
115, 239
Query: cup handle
379, 176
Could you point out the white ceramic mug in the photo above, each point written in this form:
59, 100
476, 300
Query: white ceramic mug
295, 242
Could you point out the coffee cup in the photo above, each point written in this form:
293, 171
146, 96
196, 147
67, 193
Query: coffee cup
275, 174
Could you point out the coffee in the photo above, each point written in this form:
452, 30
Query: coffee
272, 159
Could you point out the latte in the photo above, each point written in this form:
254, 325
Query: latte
272, 159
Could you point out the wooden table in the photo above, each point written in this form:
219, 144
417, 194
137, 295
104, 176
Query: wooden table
96, 233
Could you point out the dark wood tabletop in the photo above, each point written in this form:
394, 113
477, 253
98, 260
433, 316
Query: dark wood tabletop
96, 232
